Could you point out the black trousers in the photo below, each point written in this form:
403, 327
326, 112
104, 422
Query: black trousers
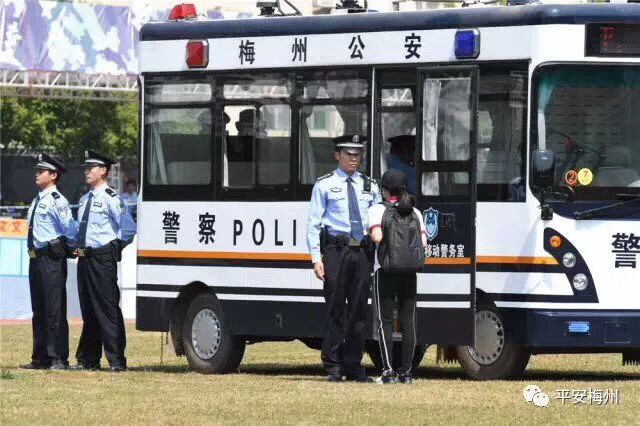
346, 288
403, 287
48, 287
101, 315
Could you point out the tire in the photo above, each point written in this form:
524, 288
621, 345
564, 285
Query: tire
373, 350
208, 346
492, 358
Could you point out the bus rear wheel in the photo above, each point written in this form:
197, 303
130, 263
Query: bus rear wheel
208, 346
492, 357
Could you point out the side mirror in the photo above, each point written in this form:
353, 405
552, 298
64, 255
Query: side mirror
543, 162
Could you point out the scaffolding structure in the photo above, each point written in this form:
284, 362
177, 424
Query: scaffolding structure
68, 85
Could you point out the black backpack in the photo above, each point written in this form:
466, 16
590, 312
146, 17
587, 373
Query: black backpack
401, 247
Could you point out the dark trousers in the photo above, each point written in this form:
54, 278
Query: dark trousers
48, 287
99, 302
346, 288
403, 287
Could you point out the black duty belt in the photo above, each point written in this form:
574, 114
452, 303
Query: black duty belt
36, 253
90, 251
343, 240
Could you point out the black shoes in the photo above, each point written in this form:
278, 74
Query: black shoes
58, 366
82, 367
387, 377
405, 378
359, 378
334, 377
34, 366
112, 369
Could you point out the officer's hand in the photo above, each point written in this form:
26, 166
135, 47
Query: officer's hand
318, 269
75, 252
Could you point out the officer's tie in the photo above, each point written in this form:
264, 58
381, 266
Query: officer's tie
82, 231
357, 230
30, 245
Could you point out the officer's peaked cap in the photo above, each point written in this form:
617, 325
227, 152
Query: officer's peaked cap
47, 162
92, 158
350, 141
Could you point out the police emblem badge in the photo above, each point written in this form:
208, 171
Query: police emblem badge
431, 222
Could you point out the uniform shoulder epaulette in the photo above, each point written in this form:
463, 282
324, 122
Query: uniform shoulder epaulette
324, 177
55, 195
111, 192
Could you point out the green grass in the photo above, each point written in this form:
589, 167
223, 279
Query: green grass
283, 383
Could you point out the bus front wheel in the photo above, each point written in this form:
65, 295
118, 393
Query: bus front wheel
492, 357
209, 347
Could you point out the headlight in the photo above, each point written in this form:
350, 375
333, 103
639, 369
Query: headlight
580, 282
569, 260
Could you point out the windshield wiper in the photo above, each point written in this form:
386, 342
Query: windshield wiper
588, 214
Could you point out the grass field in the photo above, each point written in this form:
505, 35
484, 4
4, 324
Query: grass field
283, 383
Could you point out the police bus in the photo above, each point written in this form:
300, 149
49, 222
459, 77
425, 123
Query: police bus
517, 126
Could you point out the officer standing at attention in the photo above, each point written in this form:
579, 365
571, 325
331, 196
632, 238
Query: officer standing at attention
337, 216
105, 228
51, 230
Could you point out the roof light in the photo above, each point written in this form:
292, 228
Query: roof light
467, 44
197, 53
183, 11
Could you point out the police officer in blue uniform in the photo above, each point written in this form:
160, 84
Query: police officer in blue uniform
342, 258
52, 233
105, 228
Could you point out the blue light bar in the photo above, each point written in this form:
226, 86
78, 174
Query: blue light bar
578, 327
467, 44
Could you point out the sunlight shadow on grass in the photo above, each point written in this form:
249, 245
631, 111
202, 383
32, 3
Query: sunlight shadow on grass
591, 376
269, 369
162, 368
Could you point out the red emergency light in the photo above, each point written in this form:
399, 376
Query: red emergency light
183, 11
197, 53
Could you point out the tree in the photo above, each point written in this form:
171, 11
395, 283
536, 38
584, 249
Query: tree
68, 127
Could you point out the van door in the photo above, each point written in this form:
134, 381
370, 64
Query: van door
446, 196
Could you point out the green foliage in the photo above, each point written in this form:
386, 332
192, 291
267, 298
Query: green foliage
68, 127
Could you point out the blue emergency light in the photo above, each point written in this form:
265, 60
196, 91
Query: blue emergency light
467, 44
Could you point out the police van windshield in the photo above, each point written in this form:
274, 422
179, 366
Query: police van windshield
588, 115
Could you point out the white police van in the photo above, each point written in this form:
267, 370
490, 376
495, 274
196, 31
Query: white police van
518, 126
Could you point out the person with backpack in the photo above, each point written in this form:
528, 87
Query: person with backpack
400, 234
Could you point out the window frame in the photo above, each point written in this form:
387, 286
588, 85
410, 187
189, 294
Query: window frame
498, 192
302, 191
596, 195
295, 190
186, 192
485, 192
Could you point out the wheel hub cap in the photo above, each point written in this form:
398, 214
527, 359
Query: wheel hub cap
489, 338
205, 334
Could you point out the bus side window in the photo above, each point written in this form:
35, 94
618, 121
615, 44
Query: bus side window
333, 104
502, 104
179, 146
398, 123
257, 137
